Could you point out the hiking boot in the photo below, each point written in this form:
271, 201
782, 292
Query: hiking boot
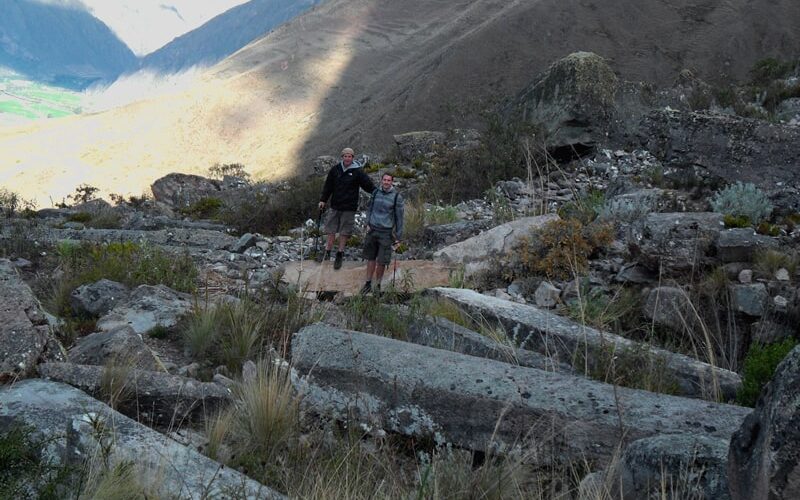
323, 256
337, 264
366, 288
377, 290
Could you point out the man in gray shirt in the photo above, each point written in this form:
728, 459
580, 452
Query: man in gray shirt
384, 230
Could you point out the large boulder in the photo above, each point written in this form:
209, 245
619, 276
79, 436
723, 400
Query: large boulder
751, 298
670, 306
122, 345
573, 101
24, 331
674, 244
486, 405
158, 399
183, 190
414, 145
477, 253
763, 457
565, 340
69, 421
98, 298
148, 307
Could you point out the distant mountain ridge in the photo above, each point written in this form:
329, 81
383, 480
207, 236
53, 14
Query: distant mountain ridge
224, 34
60, 45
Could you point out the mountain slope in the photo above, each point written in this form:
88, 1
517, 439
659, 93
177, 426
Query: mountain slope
354, 72
224, 34
59, 44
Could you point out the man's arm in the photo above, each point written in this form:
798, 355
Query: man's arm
366, 183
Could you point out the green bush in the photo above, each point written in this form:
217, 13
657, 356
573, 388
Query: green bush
766, 70
11, 203
204, 208
585, 207
219, 171
82, 217
759, 366
23, 471
742, 200
733, 221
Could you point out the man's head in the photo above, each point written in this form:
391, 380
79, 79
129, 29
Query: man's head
386, 181
347, 156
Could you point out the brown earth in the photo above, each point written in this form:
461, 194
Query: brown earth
354, 72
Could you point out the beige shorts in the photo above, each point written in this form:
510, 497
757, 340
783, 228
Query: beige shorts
341, 222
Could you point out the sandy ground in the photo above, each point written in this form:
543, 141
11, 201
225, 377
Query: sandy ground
355, 72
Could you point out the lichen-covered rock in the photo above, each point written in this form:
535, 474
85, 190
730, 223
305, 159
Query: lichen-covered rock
146, 308
674, 244
183, 190
414, 145
669, 306
121, 345
96, 299
24, 331
573, 100
741, 244
762, 460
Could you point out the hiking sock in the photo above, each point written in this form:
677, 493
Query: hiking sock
338, 262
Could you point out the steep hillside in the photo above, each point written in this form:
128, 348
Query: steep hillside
225, 34
59, 44
357, 71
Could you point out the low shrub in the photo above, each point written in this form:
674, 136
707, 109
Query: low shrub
766, 70
204, 208
768, 229
766, 262
24, 472
273, 212
561, 249
220, 170
419, 215
734, 221
12, 203
585, 208
82, 217
759, 366
742, 200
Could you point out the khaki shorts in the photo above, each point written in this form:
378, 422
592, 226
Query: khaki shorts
341, 222
378, 246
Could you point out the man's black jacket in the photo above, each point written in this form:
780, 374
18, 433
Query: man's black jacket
342, 187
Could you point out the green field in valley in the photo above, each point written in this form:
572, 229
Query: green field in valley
23, 100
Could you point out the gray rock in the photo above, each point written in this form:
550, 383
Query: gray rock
746, 276
158, 399
122, 344
762, 461
688, 466
183, 190
547, 295
24, 331
96, 299
322, 164
635, 273
573, 101
548, 333
669, 306
413, 145
441, 333
782, 274
148, 307
766, 331
64, 417
750, 299
246, 241
477, 253
675, 243
177, 237
482, 404
448, 234
741, 244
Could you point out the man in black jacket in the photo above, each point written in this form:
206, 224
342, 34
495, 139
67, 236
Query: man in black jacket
341, 186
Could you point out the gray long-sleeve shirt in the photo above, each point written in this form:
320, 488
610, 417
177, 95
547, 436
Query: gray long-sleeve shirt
386, 210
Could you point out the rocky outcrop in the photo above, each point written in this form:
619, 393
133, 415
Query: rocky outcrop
477, 253
444, 334
413, 145
176, 237
158, 399
674, 244
573, 101
482, 404
73, 423
741, 244
148, 307
24, 331
729, 147
762, 461
545, 332
669, 306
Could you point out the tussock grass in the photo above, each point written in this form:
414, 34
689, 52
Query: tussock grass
116, 384
419, 215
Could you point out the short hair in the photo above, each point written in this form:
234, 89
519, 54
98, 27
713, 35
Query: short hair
389, 174
348, 151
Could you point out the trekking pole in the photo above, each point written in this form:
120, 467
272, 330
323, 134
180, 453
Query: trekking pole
316, 237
